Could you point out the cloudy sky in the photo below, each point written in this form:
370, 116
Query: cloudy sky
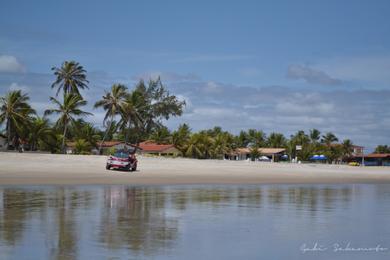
272, 65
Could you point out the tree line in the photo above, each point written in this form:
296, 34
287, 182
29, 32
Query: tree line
135, 115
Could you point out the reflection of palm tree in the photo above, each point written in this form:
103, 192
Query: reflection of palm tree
67, 238
13, 218
135, 220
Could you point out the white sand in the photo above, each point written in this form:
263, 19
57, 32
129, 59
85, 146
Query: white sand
27, 168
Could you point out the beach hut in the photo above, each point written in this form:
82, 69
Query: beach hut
275, 154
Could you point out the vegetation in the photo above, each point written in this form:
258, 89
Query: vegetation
111, 103
70, 77
67, 111
16, 113
382, 149
137, 114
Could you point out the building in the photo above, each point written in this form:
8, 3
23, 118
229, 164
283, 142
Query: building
149, 147
375, 159
357, 150
274, 154
107, 147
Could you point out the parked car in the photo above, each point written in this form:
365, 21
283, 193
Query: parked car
122, 160
354, 164
264, 159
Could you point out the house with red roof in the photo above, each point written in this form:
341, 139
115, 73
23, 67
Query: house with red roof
374, 159
150, 147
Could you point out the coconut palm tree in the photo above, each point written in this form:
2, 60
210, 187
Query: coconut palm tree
111, 103
347, 148
67, 111
276, 140
39, 131
382, 149
222, 144
329, 138
161, 135
256, 137
131, 110
16, 112
302, 139
199, 146
86, 131
82, 146
314, 135
180, 137
70, 77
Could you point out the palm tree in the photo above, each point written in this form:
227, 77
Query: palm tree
180, 137
15, 111
111, 103
276, 140
302, 139
67, 111
39, 130
314, 135
256, 137
70, 77
199, 146
161, 135
329, 138
347, 148
131, 112
222, 144
382, 149
82, 146
86, 131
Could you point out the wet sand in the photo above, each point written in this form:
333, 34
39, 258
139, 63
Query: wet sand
36, 169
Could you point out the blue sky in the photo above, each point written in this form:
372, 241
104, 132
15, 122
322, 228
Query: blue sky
272, 65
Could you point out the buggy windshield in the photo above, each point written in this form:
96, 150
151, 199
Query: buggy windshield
121, 154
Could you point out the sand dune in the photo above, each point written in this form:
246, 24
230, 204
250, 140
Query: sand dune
28, 168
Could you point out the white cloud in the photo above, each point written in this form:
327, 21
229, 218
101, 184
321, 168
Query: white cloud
16, 86
211, 87
311, 75
10, 64
373, 68
166, 76
290, 107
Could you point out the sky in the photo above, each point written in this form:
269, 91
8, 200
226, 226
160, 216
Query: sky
278, 66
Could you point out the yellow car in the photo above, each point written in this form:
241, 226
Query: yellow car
354, 164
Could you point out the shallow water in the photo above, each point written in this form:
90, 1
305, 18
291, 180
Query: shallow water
195, 222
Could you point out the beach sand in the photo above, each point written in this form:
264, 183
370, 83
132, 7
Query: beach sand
36, 169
